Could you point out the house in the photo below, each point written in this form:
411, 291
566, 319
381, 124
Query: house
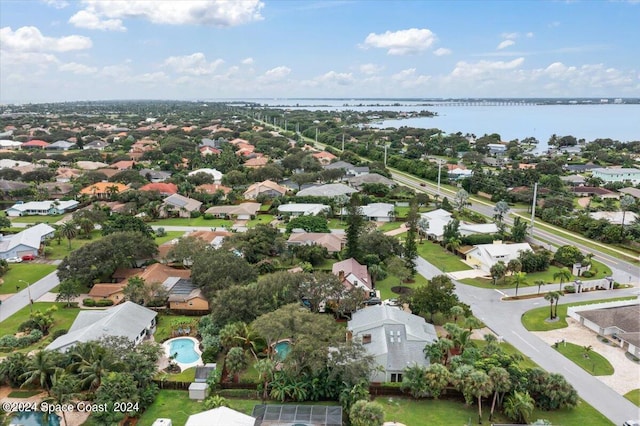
615, 218
267, 188
129, 320
123, 165
634, 192
96, 144
580, 168
163, 188
8, 186
27, 242
209, 150
352, 274
61, 146
614, 174
111, 291
589, 191
9, 144
185, 296
103, 190
42, 208
349, 169
484, 256
331, 190
332, 242
395, 338
573, 180
65, 174
496, 148
359, 181
155, 176
456, 172
158, 273
184, 206
244, 211
217, 176
213, 238
439, 218
34, 144
221, 416
56, 189
302, 209
256, 162
6, 163
90, 165
213, 188
378, 212
324, 157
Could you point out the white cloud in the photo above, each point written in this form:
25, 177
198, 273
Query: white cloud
332, 77
149, 78
90, 20
194, 64
442, 51
58, 4
510, 36
409, 78
504, 44
77, 68
402, 42
529, 34
219, 13
370, 69
30, 39
247, 61
277, 73
482, 68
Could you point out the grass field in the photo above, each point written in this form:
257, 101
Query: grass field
264, 219
170, 235
25, 271
595, 364
37, 219
337, 224
60, 251
199, 221
534, 320
63, 318
389, 226
177, 406
187, 375
633, 396
391, 281
165, 325
441, 258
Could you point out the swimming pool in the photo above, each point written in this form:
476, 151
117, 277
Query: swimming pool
183, 351
283, 347
35, 418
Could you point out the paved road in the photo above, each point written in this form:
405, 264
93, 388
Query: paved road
504, 318
19, 300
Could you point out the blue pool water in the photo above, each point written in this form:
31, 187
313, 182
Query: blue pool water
185, 348
35, 419
282, 349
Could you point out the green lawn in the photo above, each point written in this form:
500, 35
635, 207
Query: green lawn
199, 221
24, 393
177, 406
595, 364
337, 224
260, 219
25, 271
545, 276
535, 319
54, 250
633, 396
385, 285
441, 258
164, 327
170, 235
389, 226
187, 375
37, 219
63, 318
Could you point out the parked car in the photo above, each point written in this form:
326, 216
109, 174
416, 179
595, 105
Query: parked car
14, 260
392, 302
27, 257
373, 301
632, 423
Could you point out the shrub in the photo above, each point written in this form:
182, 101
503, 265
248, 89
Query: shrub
208, 216
195, 214
59, 333
616, 285
29, 324
588, 274
104, 302
160, 232
89, 302
569, 289
8, 341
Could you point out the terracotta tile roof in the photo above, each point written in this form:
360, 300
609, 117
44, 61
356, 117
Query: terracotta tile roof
36, 142
256, 162
212, 188
103, 187
158, 273
161, 187
105, 290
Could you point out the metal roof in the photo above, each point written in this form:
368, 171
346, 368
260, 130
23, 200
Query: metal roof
307, 415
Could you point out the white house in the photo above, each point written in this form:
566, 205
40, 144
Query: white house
612, 174
303, 209
378, 212
217, 175
395, 338
331, 190
439, 218
24, 243
221, 416
484, 256
128, 320
42, 208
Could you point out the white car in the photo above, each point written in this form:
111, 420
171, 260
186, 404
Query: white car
14, 260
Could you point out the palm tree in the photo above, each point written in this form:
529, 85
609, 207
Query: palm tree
480, 386
69, 231
472, 322
86, 225
553, 296
91, 363
519, 279
63, 388
539, 283
626, 203
40, 370
437, 378
453, 244
456, 311
519, 407
501, 383
248, 338
563, 275
235, 362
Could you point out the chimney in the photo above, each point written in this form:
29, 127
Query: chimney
341, 276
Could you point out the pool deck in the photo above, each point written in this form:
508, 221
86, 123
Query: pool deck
183, 366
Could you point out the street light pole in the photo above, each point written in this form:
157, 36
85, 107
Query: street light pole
29, 293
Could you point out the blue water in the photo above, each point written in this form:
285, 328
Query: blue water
35, 419
282, 349
185, 348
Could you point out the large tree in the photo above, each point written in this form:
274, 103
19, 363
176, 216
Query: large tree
125, 223
355, 225
257, 243
217, 269
437, 296
186, 250
410, 245
68, 290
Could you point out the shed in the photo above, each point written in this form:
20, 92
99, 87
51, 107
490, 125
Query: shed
198, 391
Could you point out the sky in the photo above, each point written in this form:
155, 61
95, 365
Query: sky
60, 50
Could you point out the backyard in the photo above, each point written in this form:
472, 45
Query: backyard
198, 221
37, 219
384, 286
168, 236
25, 271
442, 259
168, 323
58, 251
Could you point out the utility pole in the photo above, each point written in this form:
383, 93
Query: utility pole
343, 141
533, 206
316, 135
439, 172
385, 154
